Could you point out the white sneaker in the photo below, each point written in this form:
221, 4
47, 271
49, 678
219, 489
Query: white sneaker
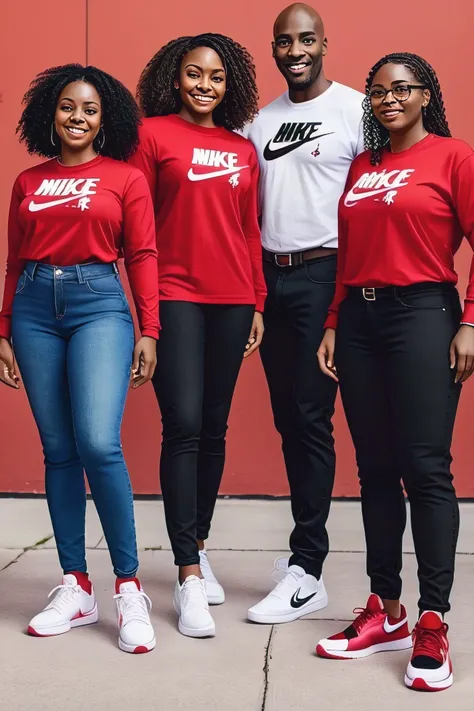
298, 594
190, 602
280, 569
215, 591
70, 607
136, 634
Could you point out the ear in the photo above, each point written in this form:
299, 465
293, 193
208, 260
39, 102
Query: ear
176, 85
273, 50
426, 97
325, 47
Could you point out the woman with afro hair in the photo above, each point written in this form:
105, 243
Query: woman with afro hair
195, 92
66, 321
402, 348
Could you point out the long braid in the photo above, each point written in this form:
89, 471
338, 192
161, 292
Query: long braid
158, 96
377, 136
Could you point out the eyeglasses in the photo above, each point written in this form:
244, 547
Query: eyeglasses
400, 93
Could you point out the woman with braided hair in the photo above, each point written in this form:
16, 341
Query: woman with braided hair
203, 177
402, 348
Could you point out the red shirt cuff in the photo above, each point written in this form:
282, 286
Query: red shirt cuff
331, 321
468, 314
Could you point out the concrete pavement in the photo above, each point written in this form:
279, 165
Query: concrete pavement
246, 667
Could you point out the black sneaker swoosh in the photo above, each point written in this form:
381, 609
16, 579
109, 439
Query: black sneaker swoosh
297, 602
268, 154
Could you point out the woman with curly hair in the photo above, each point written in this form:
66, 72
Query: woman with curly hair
66, 320
203, 177
402, 348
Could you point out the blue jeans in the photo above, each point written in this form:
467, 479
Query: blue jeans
73, 338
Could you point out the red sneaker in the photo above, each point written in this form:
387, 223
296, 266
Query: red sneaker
372, 631
430, 667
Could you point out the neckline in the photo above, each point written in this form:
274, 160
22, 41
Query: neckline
311, 102
412, 149
215, 131
98, 158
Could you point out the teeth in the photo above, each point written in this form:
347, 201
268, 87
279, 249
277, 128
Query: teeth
296, 67
204, 99
75, 130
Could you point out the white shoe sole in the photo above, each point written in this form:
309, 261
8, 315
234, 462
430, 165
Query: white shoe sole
216, 599
209, 631
137, 648
396, 645
276, 619
420, 684
88, 619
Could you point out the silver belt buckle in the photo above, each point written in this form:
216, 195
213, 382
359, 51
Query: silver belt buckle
286, 256
369, 294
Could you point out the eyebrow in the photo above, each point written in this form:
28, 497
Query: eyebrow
302, 35
196, 66
66, 98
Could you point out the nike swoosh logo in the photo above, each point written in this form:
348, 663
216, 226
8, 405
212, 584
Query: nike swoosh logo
37, 206
393, 628
216, 174
352, 197
297, 602
270, 154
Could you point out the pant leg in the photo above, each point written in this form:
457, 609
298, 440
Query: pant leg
302, 399
365, 397
41, 351
99, 360
178, 383
424, 403
227, 332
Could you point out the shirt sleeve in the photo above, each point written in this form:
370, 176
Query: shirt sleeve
252, 233
145, 159
140, 253
463, 200
15, 265
341, 290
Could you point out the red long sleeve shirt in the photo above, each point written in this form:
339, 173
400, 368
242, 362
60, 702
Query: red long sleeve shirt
204, 182
402, 222
94, 212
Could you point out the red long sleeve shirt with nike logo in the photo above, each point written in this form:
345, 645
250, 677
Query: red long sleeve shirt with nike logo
402, 222
204, 182
94, 212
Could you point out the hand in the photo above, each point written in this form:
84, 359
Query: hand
256, 334
8, 366
461, 353
144, 361
326, 354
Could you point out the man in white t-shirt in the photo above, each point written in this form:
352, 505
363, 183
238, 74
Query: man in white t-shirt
305, 140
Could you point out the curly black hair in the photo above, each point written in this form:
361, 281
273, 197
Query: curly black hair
376, 136
120, 113
158, 96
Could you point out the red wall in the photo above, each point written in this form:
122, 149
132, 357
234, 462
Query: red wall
120, 36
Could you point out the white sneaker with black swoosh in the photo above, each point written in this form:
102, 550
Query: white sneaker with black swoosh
298, 594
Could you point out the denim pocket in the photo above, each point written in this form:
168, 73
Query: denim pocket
425, 299
107, 286
321, 271
21, 284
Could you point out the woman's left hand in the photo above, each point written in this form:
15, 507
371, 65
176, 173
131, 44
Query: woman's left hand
256, 334
461, 353
144, 361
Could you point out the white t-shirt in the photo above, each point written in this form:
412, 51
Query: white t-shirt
305, 151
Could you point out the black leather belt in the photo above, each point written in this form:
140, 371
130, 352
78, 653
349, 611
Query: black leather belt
295, 259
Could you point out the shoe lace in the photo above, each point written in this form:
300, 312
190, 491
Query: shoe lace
65, 595
194, 593
134, 605
430, 643
363, 616
289, 583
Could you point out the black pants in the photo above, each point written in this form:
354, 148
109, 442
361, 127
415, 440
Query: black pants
400, 399
200, 352
302, 398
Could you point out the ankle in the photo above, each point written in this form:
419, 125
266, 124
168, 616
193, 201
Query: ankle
393, 608
201, 544
186, 570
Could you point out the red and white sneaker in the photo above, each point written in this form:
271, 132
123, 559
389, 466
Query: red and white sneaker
372, 631
430, 667
136, 634
71, 606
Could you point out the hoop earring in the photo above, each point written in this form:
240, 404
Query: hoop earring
103, 138
52, 135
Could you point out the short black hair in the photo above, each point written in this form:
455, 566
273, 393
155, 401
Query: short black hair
376, 136
120, 113
158, 96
